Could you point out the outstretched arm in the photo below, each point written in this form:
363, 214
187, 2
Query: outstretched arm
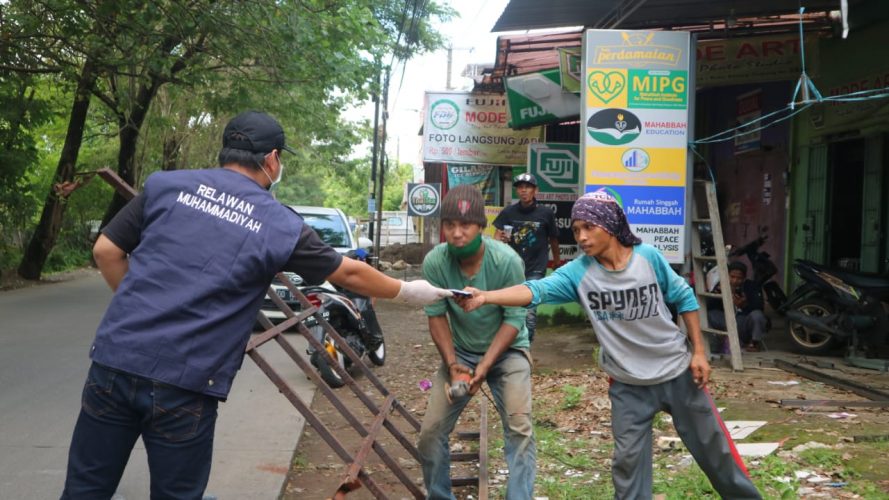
362, 278
515, 296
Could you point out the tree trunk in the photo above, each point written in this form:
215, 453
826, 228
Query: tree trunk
129, 140
172, 146
44, 238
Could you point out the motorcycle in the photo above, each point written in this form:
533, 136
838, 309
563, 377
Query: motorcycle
764, 270
837, 306
352, 315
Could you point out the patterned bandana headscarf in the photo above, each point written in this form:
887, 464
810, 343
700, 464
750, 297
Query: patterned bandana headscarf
601, 209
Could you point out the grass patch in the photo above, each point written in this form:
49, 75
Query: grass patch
572, 395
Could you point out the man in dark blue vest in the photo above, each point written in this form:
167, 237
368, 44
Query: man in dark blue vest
190, 260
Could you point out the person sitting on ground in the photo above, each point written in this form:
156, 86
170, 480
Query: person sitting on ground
625, 286
749, 315
489, 345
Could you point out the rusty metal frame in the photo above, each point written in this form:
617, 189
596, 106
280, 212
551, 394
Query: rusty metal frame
355, 463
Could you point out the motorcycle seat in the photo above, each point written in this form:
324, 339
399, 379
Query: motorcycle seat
875, 282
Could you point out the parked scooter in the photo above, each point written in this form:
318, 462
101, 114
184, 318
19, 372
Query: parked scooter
353, 317
764, 270
835, 307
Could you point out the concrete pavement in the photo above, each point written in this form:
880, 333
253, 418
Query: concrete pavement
45, 333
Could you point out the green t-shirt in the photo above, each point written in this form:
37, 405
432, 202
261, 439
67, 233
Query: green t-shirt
501, 268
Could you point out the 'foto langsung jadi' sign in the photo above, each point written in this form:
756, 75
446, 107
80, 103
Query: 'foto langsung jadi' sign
634, 123
461, 127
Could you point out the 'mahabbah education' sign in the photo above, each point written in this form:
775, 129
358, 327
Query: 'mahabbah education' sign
635, 129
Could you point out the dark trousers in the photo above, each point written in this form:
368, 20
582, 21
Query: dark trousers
697, 422
176, 426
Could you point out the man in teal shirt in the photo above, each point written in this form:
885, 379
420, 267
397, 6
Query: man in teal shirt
487, 345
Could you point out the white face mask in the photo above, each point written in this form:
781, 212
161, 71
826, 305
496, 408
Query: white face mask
274, 183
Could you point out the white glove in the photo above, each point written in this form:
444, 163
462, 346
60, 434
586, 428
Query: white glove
420, 292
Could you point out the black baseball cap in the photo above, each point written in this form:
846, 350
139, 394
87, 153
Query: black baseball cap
256, 132
526, 178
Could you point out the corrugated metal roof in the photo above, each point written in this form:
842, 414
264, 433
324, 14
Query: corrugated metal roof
644, 14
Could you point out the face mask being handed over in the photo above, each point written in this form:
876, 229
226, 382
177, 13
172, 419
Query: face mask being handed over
467, 250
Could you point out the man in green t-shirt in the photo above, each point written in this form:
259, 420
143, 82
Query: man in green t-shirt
487, 345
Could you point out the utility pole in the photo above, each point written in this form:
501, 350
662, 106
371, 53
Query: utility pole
450, 63
451, 50
373, 164
383, 165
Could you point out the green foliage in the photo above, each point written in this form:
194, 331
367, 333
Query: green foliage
690, 482
570, 467
572, 396
393, 190
175, 72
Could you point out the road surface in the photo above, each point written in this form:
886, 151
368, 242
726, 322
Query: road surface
45, 334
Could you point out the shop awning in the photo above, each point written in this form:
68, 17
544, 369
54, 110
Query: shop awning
648, 14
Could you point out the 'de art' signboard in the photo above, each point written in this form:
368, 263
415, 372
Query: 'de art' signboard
634, 125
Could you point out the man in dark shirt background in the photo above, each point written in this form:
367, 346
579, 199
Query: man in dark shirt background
530, 229
749, 316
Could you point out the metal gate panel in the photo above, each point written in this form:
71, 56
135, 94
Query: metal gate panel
815, 223
873, 204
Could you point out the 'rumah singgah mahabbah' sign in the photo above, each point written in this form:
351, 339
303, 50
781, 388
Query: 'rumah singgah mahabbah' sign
461, 127
635, 129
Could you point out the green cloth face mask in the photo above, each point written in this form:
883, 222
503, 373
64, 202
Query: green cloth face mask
468, 250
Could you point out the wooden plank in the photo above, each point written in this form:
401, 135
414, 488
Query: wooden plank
848, 385
806, 403
464, 457
483, 452
714, 331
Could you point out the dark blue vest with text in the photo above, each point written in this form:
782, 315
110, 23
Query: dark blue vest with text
210, 244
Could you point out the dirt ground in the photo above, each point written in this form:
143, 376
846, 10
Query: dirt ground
563, 359
10, 280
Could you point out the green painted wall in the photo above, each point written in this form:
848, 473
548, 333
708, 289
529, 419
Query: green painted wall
857, 63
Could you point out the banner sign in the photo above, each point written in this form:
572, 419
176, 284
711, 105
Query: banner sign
485, 177
657, 215
557, 169
423, 200
571, 68
472, 128
635, 117
738, 61
749, 108
538, 99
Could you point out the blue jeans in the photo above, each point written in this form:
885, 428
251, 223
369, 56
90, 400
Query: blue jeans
531, 318
510, 383
176, 426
